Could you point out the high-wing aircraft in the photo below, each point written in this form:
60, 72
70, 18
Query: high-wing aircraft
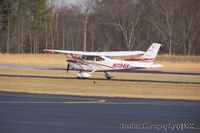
105, 61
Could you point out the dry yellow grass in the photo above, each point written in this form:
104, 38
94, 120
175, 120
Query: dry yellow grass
33, 59
178, 66
102, 88
178, 58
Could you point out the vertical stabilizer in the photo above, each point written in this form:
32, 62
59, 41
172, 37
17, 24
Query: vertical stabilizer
151, 53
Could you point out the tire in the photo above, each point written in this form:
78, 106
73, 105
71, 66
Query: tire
108, 78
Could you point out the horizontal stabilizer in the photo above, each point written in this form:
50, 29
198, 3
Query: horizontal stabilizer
156, 66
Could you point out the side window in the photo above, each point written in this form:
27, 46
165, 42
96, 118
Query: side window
90, 58
99, 58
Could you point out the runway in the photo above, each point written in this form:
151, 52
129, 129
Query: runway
128, 71
35, 113
97, 79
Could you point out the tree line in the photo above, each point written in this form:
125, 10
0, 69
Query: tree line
29, 26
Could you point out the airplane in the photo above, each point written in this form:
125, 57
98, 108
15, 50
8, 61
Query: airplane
104, 61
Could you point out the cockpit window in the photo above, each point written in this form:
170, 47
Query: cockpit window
83, 57
99, 58
90, 57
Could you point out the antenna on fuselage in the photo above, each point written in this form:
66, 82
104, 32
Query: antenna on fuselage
97, 50
106, 50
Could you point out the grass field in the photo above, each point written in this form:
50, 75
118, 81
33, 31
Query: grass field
104, 88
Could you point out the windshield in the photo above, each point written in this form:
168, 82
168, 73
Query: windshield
92, 58
83, 57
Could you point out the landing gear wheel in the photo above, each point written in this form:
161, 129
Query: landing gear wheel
82, 75
108, 75
108, 78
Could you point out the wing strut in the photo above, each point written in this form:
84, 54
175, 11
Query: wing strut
77, 61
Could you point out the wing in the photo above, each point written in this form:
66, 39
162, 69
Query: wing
114, 53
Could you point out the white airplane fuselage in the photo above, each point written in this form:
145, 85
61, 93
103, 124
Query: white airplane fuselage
106, 64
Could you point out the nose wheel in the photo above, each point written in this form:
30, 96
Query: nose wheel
108, 75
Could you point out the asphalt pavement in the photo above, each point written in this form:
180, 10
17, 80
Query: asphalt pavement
128, 71
36, 113
97, 79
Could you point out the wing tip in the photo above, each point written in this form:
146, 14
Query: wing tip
47, 50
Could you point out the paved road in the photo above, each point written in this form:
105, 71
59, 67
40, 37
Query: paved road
34, 113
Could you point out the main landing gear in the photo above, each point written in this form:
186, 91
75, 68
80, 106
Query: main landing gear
84, 75
108, 75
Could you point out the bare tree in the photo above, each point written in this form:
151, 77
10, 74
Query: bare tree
125, 17
188, 11
87, 8
8, 34
162, 18
101, 25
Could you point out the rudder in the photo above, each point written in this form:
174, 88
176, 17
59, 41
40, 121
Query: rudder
152, 52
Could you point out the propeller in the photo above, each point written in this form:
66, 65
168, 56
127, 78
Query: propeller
68, 66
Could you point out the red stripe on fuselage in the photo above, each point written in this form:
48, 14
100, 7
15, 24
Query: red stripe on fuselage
74, 61
86, 63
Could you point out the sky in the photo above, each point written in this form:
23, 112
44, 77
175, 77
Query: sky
74, 2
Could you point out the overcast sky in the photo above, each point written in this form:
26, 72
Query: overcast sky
74, 2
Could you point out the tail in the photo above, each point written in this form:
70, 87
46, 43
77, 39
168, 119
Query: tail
151, 53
